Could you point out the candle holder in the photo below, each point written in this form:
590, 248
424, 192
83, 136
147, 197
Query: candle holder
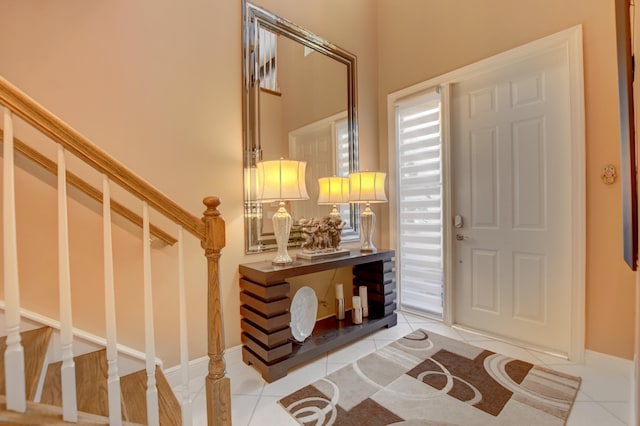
339, 302
340, 309
362, 292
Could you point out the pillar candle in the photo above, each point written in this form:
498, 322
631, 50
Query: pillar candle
356, 302
362, 292
339, 291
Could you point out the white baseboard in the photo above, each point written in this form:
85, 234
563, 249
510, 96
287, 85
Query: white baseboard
593, 356
198, 367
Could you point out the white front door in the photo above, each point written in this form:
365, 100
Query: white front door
512, 184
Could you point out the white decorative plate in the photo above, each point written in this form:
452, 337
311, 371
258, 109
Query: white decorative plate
304, 308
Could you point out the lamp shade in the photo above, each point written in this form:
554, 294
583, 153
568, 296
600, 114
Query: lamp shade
367, 187
333, 190
281, 180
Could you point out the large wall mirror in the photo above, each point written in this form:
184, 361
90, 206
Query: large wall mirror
299, 103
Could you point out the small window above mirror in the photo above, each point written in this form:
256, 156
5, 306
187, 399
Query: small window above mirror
268, 60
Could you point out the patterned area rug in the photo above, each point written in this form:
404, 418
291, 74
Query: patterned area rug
428, 379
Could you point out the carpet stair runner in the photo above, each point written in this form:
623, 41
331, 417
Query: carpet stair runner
91, 388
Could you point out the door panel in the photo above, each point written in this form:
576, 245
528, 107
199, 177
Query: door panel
484, 275
529, 175
484, 178
530, 287
512, 186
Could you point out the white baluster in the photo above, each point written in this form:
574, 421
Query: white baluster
113, 381
14, 354
274, 72
184, 341
267, 56
153, 414
68, 370
262, 51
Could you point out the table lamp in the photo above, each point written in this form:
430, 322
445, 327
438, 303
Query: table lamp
367, 187
333, 191
281, 180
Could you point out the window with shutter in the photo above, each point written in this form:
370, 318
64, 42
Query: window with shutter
419, 195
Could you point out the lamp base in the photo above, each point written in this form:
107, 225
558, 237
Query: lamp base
335, 213
281, 230
367, 223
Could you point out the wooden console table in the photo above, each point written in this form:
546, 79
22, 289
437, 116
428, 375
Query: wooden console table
265, 302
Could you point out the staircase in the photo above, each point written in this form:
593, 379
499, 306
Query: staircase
87, 388
91, 387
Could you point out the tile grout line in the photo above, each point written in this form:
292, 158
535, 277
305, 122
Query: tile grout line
611, 412
255, 407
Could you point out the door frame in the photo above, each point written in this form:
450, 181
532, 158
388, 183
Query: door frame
571, 40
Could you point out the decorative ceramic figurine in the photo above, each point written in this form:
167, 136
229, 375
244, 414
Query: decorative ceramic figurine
321, 234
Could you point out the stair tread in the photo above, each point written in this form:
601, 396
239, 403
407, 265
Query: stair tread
92, 390
134, 402
91, 383
43, 414
35, 344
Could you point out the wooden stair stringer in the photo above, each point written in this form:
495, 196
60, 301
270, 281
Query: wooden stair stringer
91, 383
134, 401
35, 344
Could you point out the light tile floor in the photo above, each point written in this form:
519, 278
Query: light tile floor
603, 399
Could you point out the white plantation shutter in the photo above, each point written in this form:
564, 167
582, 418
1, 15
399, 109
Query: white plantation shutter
342, 162
268, 49
419, 193
342, 148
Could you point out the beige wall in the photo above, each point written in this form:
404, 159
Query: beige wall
313, 87
157, 84
421, 39
273, 137
350, 25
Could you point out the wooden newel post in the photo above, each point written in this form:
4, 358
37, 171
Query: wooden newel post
218, 385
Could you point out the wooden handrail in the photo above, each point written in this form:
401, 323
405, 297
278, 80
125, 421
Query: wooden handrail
35, 114
86, 188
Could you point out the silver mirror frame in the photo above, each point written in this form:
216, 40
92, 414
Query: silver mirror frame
252, 17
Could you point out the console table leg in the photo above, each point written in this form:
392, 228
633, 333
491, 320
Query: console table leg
393, 323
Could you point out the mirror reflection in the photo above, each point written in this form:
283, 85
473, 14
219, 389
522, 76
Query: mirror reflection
299, 104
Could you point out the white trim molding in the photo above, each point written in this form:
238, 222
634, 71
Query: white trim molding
199, 367
81, 334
